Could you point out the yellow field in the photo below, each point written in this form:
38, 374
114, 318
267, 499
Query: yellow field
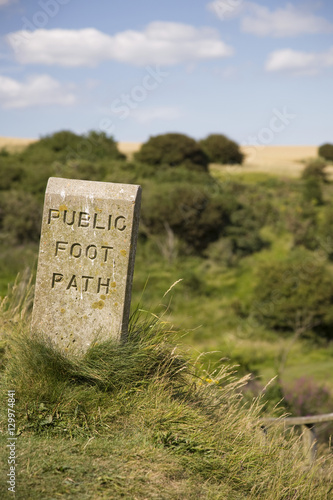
281, 160
14, 145
129, 148
285, 160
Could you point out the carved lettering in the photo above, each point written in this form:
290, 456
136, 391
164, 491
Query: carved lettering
123, 226
58, 247
106, 285
73, 218
90, 284
95, 222
91, 252
53, 214
87, 278
72, 283
76, 250
56, 278
84, 219
106, 252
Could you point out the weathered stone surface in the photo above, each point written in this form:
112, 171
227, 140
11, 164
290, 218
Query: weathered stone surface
86, 260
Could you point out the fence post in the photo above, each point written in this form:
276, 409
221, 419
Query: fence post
309, 442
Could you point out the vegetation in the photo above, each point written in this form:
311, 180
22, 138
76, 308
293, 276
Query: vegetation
315, 169
326, 151
140, 420
171, 150
221, 149
253, 253
296, 295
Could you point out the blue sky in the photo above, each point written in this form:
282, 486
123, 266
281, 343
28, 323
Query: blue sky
259, 72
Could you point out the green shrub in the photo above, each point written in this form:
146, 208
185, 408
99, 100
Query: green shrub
4, 152
220, 149
243, 232
315, 169
102, 146
324, 235
20, 217
295, 294
11, 172
65, 145
312, 191
171, 150
303, 226
188, 210
326, 151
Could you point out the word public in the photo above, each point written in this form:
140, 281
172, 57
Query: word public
84, 219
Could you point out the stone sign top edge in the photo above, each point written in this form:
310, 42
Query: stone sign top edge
78, 187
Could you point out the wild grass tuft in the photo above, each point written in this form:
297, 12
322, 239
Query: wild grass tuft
141, 420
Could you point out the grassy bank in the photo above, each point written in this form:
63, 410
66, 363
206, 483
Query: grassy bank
141, 420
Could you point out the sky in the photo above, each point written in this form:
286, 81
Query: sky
258, 72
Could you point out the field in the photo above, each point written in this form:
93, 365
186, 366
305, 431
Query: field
14, 145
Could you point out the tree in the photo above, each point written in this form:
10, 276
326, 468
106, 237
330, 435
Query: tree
66, 145
295, 293
221, 149
316, 169
312, 191
193, 215
172, 150
326, 151
20, 217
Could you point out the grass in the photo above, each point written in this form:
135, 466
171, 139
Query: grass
141, 420
206, 304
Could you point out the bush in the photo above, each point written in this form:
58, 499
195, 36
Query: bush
303, 226
306, 397
171, 150
188, 210
315, 169
295, 295
65, 145
326, 151
20, 217
312, 191
243, 232
324, 236
220, 149
11, 172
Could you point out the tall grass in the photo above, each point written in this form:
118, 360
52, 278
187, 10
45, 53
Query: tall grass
157, 405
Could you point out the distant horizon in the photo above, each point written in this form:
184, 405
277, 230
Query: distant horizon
142, 142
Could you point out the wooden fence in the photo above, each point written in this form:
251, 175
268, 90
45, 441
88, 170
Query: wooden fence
309, 431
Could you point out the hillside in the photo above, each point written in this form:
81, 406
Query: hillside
251, 255
140, 420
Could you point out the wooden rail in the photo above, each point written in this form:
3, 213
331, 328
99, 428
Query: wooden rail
314, 419
309, 432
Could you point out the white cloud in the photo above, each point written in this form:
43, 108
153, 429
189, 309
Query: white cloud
6, 2
149, 115
39, 90
227, 9
300, 63
162, 43
287, 21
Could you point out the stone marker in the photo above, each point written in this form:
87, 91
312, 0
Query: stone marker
86, 261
